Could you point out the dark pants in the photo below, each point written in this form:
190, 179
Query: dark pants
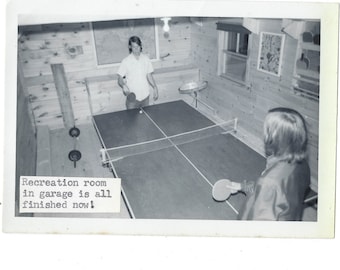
137, 104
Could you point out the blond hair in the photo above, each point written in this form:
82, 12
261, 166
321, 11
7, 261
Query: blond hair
285, 134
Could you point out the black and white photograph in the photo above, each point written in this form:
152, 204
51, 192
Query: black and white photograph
198, 123
188, 144
169, 134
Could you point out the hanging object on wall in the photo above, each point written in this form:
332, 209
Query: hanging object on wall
307, 36
163, 56
74, 156
316, 39
74, 132
311, 38
303, 62
166, 27
271, 53
73, 51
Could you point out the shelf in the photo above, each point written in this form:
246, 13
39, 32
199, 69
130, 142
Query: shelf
307, 68
309, 46
306, 93
308, 73
193, 87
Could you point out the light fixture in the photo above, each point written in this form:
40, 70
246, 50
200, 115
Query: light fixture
166, 26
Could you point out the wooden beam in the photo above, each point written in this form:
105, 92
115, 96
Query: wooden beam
292, 28
23, 87
63, 94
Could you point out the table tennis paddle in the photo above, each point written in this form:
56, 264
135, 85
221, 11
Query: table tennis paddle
223, 188
131, 97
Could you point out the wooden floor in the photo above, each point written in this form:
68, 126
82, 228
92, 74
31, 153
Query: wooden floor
90, 163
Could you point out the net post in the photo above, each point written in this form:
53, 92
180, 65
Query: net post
235, 124
89, 95
103, 155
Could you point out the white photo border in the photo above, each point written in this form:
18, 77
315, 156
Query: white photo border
30, 12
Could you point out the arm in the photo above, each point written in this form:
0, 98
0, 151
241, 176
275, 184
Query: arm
266, 205
245, 186
153, 84
122, 84
262, 204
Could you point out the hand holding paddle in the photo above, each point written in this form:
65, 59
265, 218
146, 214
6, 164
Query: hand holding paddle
223, 188
131, 97
126, 89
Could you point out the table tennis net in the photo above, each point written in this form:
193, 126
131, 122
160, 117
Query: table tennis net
117, 153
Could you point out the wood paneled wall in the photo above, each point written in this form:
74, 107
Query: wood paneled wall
191, 50
26, 143
43, 45
250, 104
106, 95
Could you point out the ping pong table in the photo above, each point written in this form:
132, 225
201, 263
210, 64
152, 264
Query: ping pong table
174, 181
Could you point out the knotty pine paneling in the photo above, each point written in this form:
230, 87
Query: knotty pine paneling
250, 104
26, 143
107, 96
39, 46
39, 49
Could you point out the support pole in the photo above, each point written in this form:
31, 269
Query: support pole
63, 94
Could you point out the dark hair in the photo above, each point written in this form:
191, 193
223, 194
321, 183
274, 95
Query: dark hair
285, 134
137, 40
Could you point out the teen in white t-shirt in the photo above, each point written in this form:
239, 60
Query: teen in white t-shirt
135, 75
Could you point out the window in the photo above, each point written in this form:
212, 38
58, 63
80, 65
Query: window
233, 52
111, 39
234, 56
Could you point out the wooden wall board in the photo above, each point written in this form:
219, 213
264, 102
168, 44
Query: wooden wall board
50, 44
176, 45
46, 107
174, 59
26, 144
42, 92
250, 105
63, 92
54, 31
53, 57
54, 122
38, 49
190, 42
286, 98
111, 38
43, 151
44, 45
107, 96
80, 105
34, 81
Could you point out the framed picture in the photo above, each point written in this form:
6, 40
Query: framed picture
111, 39
270, 53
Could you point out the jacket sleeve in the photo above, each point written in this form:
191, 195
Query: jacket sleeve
266, 203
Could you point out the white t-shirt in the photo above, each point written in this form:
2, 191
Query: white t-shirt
136, 70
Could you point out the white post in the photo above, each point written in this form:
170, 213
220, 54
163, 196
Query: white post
102, 151
235, 125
